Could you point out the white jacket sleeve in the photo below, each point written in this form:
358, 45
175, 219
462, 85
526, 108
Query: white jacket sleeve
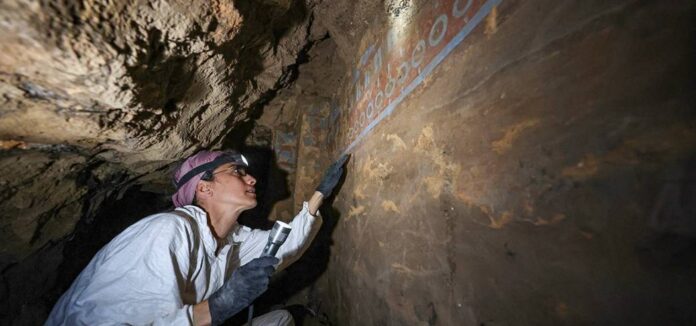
138, 278
304, 228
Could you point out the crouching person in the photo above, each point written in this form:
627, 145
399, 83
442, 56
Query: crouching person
194, 265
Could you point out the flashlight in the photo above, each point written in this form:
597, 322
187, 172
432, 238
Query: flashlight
276, 238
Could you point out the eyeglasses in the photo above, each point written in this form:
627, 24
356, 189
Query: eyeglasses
235, 170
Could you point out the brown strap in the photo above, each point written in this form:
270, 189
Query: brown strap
196, 238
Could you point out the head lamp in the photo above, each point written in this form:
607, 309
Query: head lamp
228, 157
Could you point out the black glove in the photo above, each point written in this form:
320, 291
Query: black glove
331, 177
245, 285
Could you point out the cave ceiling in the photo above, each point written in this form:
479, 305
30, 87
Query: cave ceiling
98, 95
141, 81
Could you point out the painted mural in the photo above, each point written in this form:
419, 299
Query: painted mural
390, 69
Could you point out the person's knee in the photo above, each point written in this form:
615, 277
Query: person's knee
284, 318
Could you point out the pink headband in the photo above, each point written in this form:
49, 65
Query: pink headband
187, 191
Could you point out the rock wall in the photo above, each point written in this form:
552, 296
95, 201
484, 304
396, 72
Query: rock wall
98, 97
515, 163
58, 208
142, 82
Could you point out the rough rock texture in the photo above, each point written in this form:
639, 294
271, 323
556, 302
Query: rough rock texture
44, 194
142, 81
99, 96
514, 162
540, 174
294, 118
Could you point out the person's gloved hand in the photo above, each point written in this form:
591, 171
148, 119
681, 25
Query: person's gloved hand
331, 177
246, 284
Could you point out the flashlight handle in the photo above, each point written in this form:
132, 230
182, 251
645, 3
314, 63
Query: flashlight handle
271, 249
276, 238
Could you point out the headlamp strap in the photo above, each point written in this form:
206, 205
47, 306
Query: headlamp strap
237, 159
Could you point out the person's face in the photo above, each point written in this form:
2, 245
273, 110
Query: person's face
231, 185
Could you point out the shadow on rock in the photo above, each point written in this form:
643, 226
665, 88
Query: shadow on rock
304, 273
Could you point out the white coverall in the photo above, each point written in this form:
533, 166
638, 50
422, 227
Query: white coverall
158, 268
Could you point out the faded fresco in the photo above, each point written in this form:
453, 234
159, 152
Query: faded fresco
392, 67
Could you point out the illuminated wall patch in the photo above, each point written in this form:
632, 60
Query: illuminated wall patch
391, 69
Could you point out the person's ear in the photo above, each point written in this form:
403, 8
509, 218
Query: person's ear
203, 189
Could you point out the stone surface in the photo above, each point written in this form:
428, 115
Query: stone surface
99, 96
514, 162
139, 82
41, 199
519, 182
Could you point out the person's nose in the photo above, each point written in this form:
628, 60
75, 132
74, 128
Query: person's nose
250, 180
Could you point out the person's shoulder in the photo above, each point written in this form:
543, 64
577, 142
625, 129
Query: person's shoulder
175, 230
155, 232
243, 234
163, 222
